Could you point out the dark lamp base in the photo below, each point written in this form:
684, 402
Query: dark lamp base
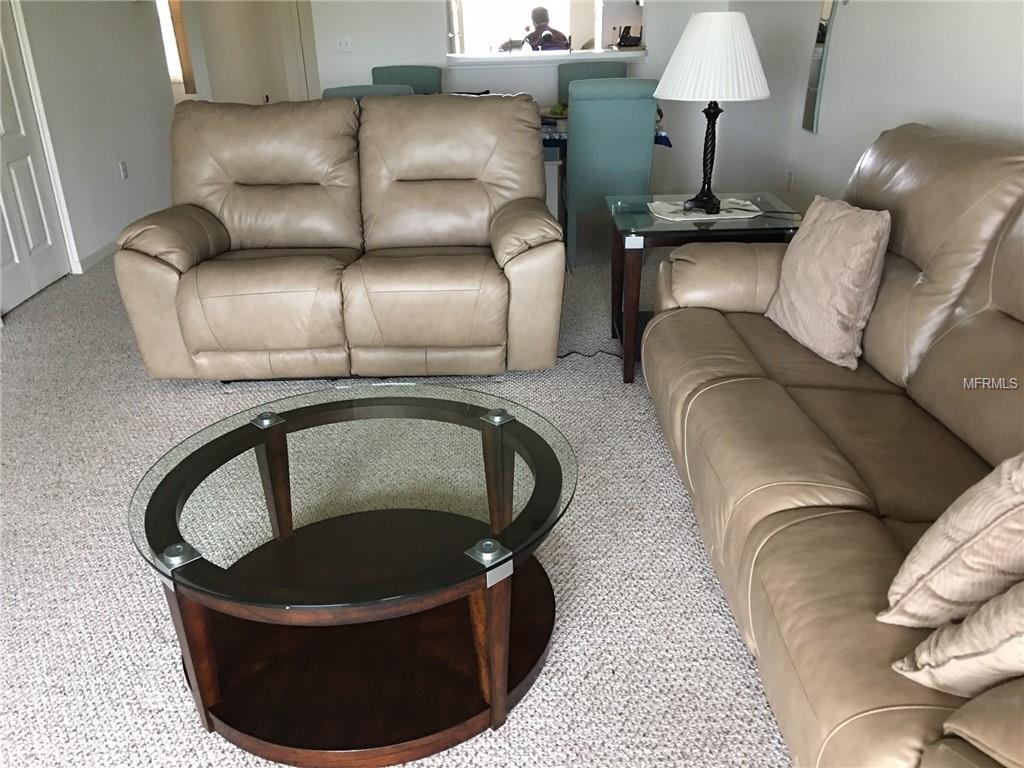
705, 201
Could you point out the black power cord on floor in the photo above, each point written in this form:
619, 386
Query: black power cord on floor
590, 354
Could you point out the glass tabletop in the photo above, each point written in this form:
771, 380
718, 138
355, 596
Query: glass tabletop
632, 216
388, 495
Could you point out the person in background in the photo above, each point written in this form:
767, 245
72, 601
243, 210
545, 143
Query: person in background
544, 37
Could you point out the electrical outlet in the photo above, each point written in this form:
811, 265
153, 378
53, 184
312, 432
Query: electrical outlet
343, 44
122, 166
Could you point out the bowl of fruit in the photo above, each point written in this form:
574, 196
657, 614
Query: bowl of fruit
555, 112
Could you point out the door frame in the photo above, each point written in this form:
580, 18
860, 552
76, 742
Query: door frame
307, 42
52, 170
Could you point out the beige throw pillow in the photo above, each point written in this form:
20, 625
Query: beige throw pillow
968, 658
971, 553
830, 277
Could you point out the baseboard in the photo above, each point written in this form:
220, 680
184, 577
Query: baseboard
97, 257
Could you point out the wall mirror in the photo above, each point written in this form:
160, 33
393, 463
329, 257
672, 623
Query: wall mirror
812, 105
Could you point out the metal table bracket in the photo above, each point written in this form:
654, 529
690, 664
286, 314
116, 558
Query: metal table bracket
177, 555
490, 552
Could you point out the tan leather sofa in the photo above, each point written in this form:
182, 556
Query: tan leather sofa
811, 482
398, 236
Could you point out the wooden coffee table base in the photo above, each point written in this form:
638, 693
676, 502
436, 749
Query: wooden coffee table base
369, 694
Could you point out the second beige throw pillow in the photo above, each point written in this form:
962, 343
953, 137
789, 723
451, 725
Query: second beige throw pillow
964, 659
972, 552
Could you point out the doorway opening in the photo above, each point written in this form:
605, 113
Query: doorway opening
179, 62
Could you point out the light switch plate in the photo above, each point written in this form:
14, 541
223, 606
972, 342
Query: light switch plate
343, 44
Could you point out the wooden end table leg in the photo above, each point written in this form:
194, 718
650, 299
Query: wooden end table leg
192, 625
632, 265
617, 253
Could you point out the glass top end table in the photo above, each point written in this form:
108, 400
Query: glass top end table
635, 228
350, 572
632, 216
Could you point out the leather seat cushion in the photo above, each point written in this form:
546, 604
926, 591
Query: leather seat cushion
816, 587
273, 364
345, 255
426, 297
751, 452
428, 361
905, 535
255, 301
683, 351
914, 466
793, 365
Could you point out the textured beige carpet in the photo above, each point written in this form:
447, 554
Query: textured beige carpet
646, 666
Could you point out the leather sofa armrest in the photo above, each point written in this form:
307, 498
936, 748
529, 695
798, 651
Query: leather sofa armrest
521, 225
181, 236
729, 277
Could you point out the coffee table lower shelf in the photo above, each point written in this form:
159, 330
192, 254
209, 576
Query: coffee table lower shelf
370, 694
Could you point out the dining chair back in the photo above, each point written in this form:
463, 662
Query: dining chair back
586, 70
422, 79
358, 91
610, 142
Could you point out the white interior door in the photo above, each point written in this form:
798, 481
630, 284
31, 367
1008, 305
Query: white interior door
31, 241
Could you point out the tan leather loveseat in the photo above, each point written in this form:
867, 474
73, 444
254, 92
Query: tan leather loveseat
811, 482
399, 236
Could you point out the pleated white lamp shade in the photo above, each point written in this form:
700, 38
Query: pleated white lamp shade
715, 60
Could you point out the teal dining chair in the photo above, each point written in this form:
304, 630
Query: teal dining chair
586, 70
422, 79
610, 142
358, 91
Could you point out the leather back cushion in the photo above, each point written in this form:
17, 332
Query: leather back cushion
276, 175
434, 169
950, 197
972, 377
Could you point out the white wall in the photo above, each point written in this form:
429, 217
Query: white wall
107, 97
415, 32
951, 65
957, 65
754, 136
252, 51
241, 50
538, 80
678, 169
382, 33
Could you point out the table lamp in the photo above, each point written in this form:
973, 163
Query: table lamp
715, 60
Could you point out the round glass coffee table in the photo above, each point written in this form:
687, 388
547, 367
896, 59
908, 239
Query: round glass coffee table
350, 572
